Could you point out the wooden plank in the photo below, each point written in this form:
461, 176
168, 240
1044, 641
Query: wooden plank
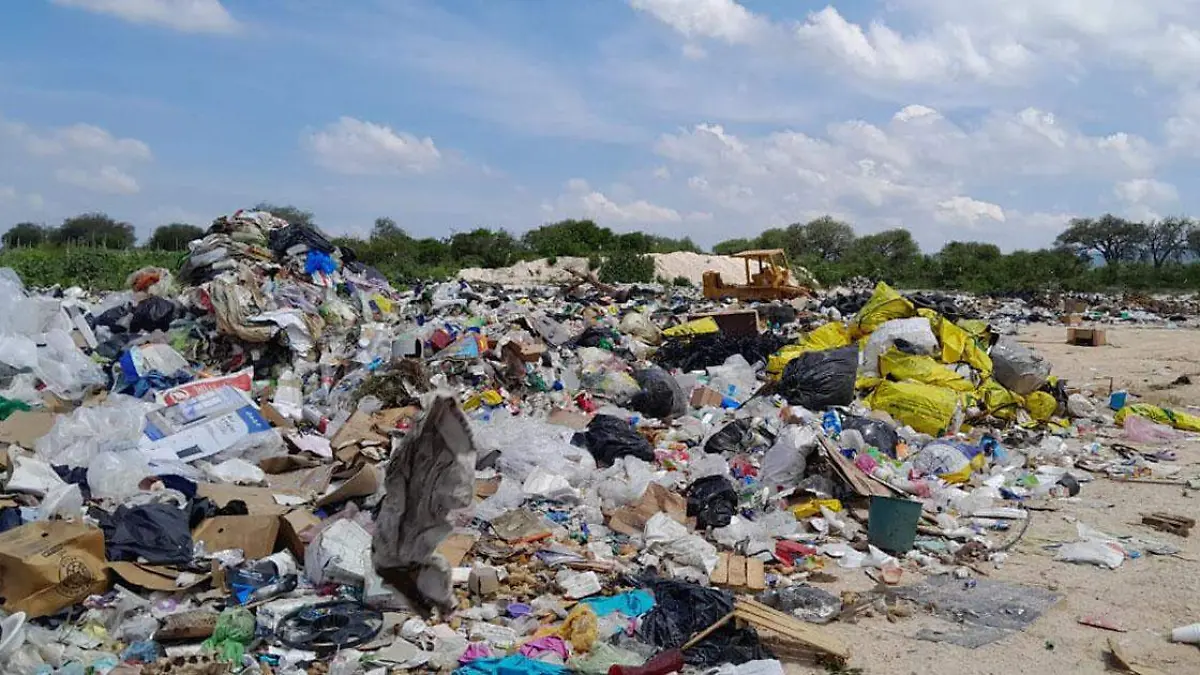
856, 479
707, 631
720, 575
817, 638
737, 571
755, 575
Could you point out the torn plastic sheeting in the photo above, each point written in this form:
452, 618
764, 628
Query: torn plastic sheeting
1174, 418
157, 533
664, 535
525, 444
608, 438
817, 380
77, 437
660, 396
712, 501
431, 474
914, 335
786, 461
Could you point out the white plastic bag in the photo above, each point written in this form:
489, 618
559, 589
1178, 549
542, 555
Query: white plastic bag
624, 482
233, 471
665, 535
64, 501
116, 475
33, 476
75, 439
785, 463
916, 332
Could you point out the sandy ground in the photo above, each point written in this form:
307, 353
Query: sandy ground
1148, 596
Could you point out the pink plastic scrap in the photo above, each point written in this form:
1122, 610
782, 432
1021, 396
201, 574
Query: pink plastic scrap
535, 648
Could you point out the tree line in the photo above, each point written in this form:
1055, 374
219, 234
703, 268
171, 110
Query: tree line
1089, 254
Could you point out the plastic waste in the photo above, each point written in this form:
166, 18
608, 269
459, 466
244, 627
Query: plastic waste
818, 380
805, 602
665, 535
77, 437
875, 433
1018, 368
786, 461
1079, 407
1092, 552
913, 336
737, 436
1189, 634
735, 378
32, 476
116, 475
1138, 429
156, 533
235, 630
660, 395
712, 501
608, 438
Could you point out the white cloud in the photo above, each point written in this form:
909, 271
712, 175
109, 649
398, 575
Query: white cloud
581, 200
106, 180
1145, 191
879, 52
919, 169
353, 146
87, 139
968, 211
189, 16
718, 19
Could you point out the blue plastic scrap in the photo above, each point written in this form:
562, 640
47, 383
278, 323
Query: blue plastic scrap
632, 603
510, 665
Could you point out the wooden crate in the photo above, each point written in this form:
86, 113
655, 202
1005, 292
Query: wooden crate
1087, 337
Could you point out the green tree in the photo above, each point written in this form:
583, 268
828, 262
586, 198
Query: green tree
1114, 239
731, 246
290, 213
95, 229
485, 248
889, 255
627, 267
966, 265
821, 240
386, 228
569, 238
174, 237
25, 235
1166, 240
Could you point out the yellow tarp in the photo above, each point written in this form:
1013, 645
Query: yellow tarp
897, 365
976, 328
885, 304
812, 507
698, 327
1180, 420
924, 407
832, 335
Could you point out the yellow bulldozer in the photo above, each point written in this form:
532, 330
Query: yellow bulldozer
772, 281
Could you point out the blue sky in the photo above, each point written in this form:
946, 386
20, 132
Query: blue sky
706, 118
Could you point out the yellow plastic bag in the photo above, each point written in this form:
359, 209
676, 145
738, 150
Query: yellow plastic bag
812, 507
885, 304
976, 328
926, 408
1041, 405
998, 401
580, 628
897, 365
830, 336
698, 327
959, 346
1180, 420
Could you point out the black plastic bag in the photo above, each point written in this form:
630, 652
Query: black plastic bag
712, 501
701, 351
114, 319
660, 397
609, 438
681, 610
286, 237
156, 532
152, 314
818, 380
737, 436
876, 433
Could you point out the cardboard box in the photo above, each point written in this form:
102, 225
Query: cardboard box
740, 323
1072, 319
254, 535
291, 525
703, 397
45, 567
1087, 337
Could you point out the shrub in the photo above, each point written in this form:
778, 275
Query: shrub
683, 281
624, 267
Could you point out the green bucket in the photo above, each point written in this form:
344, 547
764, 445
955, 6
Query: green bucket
892, 523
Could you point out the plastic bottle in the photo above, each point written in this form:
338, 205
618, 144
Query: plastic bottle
1189, 634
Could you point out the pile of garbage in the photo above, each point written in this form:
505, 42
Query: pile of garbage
273, 461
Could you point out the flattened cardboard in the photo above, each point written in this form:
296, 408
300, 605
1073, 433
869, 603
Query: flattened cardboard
631, 520
456, 546
25, 427
48, 566
152, 577
303, 483
259, 501
362, 484
569, 418
359, 428
255, 535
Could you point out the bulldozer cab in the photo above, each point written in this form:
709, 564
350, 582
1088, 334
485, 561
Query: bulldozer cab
766, 268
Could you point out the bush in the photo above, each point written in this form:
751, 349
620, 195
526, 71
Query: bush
95, 268
683, 281
624, 267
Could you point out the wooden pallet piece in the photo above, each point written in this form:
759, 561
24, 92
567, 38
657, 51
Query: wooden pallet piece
756, 579
1166, 522
737, 571
720, 575
806, 636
